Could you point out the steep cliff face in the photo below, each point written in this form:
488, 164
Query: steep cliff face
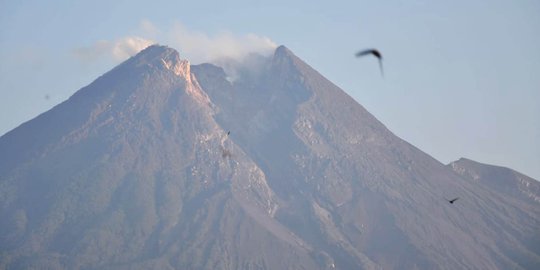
161, 164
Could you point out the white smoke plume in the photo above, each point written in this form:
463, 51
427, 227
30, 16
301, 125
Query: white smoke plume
117, 50
225, 49
199, 47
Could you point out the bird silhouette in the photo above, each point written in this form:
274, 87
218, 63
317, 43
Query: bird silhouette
375, 53
452, 200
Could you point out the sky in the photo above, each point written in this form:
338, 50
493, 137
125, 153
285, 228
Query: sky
462, 78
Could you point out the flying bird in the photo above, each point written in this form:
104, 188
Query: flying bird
452, 200
375, 53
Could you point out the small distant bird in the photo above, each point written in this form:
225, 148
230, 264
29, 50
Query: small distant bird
375, 53
452, 200
228, 133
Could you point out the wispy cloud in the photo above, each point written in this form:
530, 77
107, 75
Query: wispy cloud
117, 50
148, 29
199, 47
195, 46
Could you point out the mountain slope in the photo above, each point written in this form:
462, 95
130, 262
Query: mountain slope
500, 179
138, 170
516, 196
129, 172
325, 154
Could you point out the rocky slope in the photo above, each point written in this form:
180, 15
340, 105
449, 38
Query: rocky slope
138, 170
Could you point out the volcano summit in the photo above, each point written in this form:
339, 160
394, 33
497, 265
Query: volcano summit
138, 170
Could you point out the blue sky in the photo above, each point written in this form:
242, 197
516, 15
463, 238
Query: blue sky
462, 78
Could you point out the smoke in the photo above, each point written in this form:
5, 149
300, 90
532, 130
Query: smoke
241, 56
117, 50
237, 54
248, 67
199, 47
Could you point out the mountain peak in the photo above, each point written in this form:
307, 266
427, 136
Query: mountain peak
281, 169
282, 55
162, 56
157, 48
283, 51
156, 51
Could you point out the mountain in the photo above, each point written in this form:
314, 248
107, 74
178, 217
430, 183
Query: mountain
165, 165
504, 181
517, 196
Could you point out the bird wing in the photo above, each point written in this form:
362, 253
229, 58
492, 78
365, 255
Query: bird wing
455, 199
381, 67
364, 52
375, 53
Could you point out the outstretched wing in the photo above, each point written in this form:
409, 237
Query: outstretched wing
364, 52
375, 53
381, 67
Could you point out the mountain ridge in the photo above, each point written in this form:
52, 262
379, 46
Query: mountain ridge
163, 164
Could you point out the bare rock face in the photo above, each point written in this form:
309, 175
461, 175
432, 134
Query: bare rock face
159, 164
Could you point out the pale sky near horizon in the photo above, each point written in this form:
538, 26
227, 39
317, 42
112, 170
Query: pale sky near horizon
462, 78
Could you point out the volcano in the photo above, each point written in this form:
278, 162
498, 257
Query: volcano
160, 164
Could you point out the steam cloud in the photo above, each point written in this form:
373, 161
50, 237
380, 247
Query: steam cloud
117, 50
238, 55
232, 52
199, 47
